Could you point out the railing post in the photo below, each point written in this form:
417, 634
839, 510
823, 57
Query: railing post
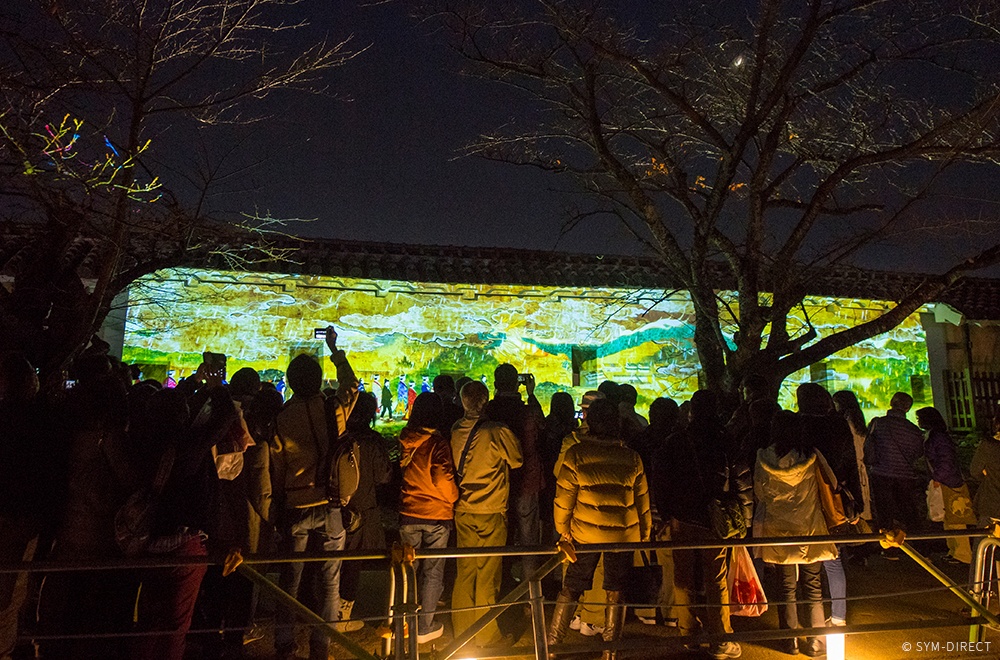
538, 619
412, 601
987, 545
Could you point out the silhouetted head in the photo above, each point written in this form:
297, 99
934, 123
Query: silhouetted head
505, 378
304, 375
610, 389
663, 414
786, 433
901, 401
628, 395
930, 419
704, 407
813, 399
364, 411
474, 397
444, 385
244, 382
426, 411
754, 387
602, 418
561, 406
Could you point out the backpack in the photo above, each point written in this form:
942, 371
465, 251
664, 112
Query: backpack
345, 474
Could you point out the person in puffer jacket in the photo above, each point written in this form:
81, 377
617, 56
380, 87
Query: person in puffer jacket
601, 497
427, 504
787, 491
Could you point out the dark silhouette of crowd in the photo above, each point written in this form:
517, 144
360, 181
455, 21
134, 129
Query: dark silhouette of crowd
119, 469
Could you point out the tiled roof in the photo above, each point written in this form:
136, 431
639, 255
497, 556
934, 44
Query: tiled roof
976, 298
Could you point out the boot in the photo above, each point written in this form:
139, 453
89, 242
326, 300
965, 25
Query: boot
563, 614
614, 622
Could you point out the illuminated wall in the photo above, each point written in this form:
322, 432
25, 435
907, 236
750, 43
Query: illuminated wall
571, 339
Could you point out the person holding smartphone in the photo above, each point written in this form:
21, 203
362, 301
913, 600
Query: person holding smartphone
305, 430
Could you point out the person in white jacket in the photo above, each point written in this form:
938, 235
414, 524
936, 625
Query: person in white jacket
788, 504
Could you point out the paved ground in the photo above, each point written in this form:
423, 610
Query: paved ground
882, 592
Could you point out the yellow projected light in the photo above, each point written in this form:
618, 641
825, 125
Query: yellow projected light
403, 334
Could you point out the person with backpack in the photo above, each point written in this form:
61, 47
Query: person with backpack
426, 509
374, 469
306, 435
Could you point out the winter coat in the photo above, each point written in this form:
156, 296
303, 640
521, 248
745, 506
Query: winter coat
484, 479
788, 504
942, 458
301, 441
692, 468
525, 420
985, 469
831, 436
893, 445
601, 493
429, 491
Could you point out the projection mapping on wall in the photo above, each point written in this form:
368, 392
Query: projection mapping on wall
403, 334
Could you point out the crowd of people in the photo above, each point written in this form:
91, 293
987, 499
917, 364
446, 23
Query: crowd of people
216, 466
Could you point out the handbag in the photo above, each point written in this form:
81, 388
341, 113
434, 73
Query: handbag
838, 506
135, 519
725, 513
644, 580
830, 496
746, 595
725, 516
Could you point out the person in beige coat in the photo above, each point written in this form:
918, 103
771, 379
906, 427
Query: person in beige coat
484, 453
788, 504
306, 429
601, 497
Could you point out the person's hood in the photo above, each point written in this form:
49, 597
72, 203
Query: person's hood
792, 468
411, 439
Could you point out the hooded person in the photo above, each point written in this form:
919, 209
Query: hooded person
787, 490
427, 502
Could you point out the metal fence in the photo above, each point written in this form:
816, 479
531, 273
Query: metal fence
401, 616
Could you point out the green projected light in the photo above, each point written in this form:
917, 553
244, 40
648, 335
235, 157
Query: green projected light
396, 331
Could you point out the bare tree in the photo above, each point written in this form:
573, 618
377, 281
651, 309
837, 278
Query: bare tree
776, 145
94, 94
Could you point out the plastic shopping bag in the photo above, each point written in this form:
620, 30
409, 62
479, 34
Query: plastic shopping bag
935, 502
746, 596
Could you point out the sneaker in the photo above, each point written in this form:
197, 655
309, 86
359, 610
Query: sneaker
433, 633
670, 622
892, 554
835, 622
256, 632
589, 630
952, 561
646, 620
575, 623
348, 626
725, 650
344, 623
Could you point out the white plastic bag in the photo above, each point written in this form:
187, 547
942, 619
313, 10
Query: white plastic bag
746, 595
935, 502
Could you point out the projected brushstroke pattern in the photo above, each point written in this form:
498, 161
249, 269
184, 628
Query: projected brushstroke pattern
394, 328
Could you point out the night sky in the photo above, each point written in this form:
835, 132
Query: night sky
380, 161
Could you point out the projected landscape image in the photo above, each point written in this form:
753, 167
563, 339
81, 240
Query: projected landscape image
400, 335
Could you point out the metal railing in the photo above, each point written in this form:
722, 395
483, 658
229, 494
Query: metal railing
400, 639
